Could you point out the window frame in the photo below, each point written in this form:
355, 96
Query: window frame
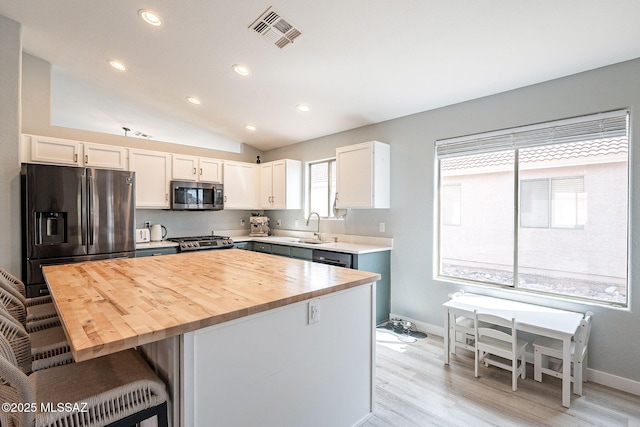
309, 186
458, 146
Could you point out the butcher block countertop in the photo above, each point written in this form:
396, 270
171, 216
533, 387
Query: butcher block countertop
111, 305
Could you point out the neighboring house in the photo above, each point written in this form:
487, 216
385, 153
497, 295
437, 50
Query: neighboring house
572, 218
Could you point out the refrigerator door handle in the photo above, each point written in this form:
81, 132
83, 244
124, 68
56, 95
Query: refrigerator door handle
90, 206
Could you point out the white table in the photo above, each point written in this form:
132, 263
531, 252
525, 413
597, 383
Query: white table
539, 320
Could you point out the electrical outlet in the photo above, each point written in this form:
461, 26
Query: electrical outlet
314, 311
297, 223
279, 222
381, 227
147, 224
243, 222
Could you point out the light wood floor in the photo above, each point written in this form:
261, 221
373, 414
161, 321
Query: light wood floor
415, 388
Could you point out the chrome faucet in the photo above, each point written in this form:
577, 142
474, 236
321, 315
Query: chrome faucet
317, 233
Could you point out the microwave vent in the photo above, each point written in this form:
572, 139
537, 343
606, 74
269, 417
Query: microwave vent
275, 29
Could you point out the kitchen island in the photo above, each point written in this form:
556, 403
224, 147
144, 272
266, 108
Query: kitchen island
242, 338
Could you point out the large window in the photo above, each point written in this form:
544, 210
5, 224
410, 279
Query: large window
542, 208
322, 187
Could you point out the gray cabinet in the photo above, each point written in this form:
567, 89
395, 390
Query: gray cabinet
375, 262
281, 250
156, 251
262, 247
247, 246
378, 262
301, 253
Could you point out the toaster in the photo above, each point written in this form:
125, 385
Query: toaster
143, 235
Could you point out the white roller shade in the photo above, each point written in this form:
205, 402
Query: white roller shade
597, 126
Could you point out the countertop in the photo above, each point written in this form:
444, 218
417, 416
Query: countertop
351, 247
111, 305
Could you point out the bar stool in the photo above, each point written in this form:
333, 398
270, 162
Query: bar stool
119, 389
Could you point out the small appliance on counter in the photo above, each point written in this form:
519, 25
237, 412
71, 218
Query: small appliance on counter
143, 235
158, 232
259, 225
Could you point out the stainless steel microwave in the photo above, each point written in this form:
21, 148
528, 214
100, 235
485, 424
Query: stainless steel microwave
197, 196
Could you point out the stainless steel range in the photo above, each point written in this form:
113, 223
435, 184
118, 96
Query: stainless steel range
202, 243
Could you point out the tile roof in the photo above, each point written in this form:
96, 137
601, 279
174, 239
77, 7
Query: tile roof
601, 148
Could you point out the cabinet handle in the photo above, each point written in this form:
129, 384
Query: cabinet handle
75, 158
225, 199
194, 171
86, 158
166, 197
200, 171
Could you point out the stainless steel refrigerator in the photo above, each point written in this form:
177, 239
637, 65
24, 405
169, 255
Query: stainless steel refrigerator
73, 214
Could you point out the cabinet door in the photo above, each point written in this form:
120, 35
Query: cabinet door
266, 185
210, 170
53, 150
279, 185
354, 174
184, 168
363, 176
240, 185
152, 170
105, 156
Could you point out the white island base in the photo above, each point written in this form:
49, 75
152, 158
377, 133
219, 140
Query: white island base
276, 369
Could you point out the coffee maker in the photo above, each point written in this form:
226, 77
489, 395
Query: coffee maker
259, 225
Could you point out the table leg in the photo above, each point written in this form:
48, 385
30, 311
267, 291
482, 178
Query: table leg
566, 371
446, 337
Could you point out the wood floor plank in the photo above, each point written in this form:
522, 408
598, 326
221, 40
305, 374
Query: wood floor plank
415, 388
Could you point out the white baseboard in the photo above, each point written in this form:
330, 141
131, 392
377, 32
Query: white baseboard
598, 377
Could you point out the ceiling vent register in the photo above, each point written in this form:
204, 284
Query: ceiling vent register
274, 29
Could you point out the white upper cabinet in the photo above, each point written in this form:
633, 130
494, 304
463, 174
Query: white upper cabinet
41, 149
281, 184
105, 156
240, 185
184, 168
209, 170
363, 173
191, 168
153, 172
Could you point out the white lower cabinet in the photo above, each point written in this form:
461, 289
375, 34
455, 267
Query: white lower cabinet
153, 172
240, 185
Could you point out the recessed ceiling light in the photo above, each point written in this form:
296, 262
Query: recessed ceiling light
250, 127
150, 17
193, 100
243, 70
303, 107
117, 64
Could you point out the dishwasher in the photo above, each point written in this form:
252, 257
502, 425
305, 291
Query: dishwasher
339, 259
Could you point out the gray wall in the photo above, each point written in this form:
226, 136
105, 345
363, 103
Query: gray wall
10, 71
414, 292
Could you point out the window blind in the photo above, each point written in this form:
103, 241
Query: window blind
611, 124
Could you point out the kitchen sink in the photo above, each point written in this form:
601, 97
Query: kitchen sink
313, 241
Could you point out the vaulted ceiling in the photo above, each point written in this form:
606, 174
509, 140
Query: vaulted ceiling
353, 62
